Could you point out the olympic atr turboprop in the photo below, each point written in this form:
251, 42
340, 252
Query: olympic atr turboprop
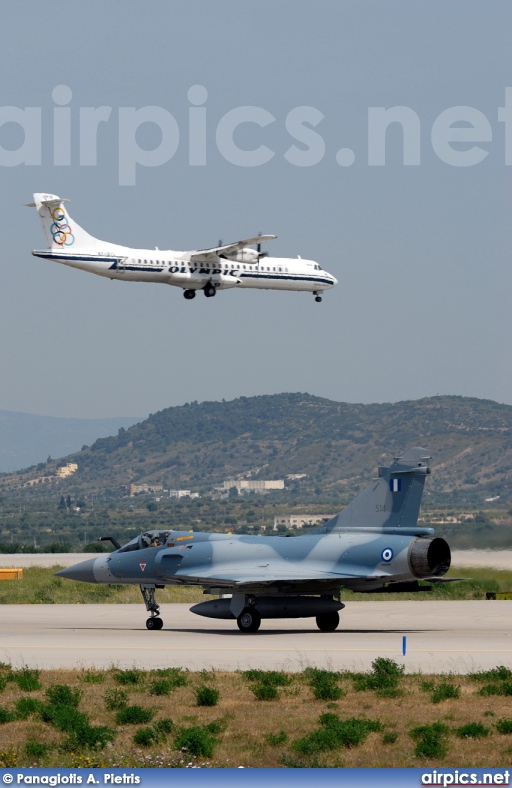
374, 544
219, 268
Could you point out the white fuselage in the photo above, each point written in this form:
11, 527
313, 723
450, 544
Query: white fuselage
176, 268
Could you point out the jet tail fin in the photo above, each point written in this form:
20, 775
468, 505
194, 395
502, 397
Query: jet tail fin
59, 229
392, 500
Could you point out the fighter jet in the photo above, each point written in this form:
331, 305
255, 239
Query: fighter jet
220, 268
374, 544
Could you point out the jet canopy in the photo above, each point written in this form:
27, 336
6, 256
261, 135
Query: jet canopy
147, 539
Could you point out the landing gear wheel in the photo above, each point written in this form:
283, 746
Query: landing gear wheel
209, 290
189, 294
318, 299
328, 622
154, 623
249, 620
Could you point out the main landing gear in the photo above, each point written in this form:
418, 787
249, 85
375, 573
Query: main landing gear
317, 295
327, 622
148, 595
189, 294
209, 290
249, 620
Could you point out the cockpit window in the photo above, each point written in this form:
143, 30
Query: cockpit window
145, 540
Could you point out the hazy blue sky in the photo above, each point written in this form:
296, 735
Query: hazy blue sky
423, 253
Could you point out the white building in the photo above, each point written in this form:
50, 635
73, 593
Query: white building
296, 521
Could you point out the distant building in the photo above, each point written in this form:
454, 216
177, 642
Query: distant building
67, 470
296, 521
182, 494
294, 476
252, 485
145, 488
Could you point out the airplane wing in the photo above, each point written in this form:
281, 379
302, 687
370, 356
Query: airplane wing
216, 251
272, 575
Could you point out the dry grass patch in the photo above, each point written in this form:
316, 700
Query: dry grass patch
240, 731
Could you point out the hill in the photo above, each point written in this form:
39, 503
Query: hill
337, 445
27, 439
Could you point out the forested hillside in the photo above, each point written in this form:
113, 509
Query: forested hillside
337, 445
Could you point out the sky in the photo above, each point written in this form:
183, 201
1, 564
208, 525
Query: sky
421, 249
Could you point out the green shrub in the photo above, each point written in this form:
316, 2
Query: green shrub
35, 749
134, 715
390, 737
335, 733
505, 688
500, 673
6, 716
430, 740
384, 678
161, 687
265, 692
472, 730
444, 691
62, 695
80, 733
27, 706
324, 684
26, 679
144, 737
197, 741
276, 739
88, 736
274, 678
175, 675
130, 678
165, 725
207, 696
3, 682
504, 726
115, 699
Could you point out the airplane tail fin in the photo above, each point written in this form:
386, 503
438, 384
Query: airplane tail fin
392, 500
59, 229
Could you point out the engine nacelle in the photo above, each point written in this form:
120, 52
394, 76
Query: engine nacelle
429, 557
245, 255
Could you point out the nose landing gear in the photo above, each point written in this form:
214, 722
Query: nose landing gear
148, 595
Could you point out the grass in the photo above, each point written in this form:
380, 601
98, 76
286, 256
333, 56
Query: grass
68, 724
39, 586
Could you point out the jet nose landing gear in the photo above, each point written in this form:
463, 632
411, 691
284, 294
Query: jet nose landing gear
148, 595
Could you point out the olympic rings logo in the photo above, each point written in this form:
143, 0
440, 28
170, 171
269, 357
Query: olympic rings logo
60, 229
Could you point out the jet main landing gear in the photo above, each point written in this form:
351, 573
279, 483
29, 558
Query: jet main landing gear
249, 620
209, 290
148, 595
189, 294
317, 295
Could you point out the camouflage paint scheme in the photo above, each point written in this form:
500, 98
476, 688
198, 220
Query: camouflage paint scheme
373, 544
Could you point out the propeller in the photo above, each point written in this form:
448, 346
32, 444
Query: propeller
260, 253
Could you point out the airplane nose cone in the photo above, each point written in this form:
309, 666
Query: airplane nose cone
83, 572
334, 280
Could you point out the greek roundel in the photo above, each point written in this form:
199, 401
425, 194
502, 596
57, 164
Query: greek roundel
395, 485
387, 554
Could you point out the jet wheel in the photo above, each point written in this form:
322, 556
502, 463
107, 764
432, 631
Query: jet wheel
189, 294
209, 291
318, 299
328, 622
249, 620
154, 623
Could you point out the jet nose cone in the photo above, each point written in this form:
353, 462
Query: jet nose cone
334, 280
83, 572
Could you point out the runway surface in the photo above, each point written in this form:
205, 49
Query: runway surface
442, 636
